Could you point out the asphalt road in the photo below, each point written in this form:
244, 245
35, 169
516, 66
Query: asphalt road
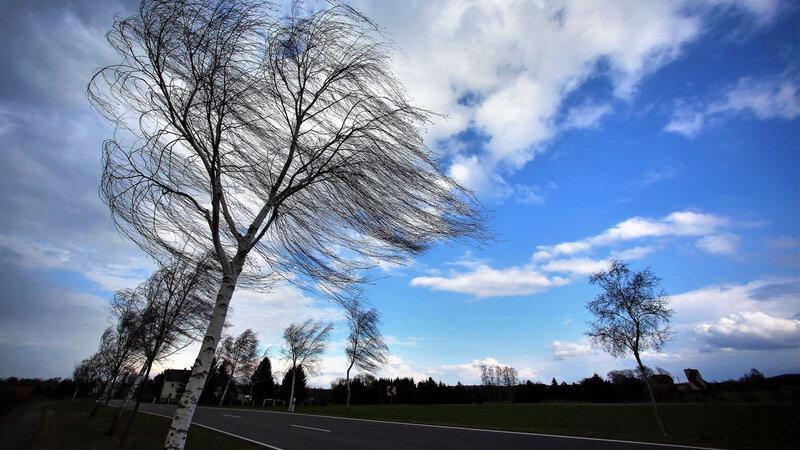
303, 431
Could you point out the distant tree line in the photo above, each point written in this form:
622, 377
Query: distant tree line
617, 386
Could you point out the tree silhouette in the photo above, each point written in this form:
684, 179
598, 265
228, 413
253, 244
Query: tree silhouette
631, 315
283, 144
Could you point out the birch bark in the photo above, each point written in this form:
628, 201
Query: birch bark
178, 430
128, 399
225, 391
291, 392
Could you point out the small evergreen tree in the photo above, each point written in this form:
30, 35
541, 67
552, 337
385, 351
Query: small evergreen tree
263, 384
300, 390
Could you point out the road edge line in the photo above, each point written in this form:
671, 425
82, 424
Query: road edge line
219, 431
486, 430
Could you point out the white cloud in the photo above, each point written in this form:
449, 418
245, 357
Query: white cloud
566, 350
396, 367
268, 314
751, 331
470, 373
485, 281
528, 195
476, 62
578, 266
394, 341
629, 254
679, 223
764, 98
686, 121
719, 244
770, 98
586, 116
776, 297
564, 248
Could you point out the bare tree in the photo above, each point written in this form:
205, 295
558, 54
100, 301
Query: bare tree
241, 354
304, 344
174, 306
283, 143
86, 373
118, 350
631, 315
365, 349
509, 379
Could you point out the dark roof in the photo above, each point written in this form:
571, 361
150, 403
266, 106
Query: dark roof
181, 376
662, 379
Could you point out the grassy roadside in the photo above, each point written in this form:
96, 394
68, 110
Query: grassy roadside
743, 425
66, 425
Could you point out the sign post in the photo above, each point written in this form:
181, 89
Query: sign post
697, 383
391, 392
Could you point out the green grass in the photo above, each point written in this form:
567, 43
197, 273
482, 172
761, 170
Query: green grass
742, 425
66, 425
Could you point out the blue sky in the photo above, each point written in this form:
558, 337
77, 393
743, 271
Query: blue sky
664, 133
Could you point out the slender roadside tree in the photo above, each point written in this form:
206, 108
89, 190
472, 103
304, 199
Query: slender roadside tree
118, 351
284, 144
631, 315
86, 373
174, 306
366, 349
241, 354
303, 346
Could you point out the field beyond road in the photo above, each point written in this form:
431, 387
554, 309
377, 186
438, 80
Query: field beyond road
742, 425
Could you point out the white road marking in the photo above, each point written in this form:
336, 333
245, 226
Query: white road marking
218, 431
231, 415
484, 430
310, 428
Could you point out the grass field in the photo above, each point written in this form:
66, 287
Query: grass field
742, 426
66, 426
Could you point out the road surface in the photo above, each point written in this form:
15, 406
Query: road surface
280, 430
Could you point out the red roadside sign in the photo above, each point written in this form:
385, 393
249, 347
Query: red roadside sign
695, 380
390, 391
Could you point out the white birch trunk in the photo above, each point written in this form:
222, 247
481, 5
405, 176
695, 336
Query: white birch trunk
225, 391
128, 398
347, 404
222, 399
176, 438
291, 392
132, 392
652, 397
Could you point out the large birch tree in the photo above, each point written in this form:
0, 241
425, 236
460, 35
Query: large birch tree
283, 144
